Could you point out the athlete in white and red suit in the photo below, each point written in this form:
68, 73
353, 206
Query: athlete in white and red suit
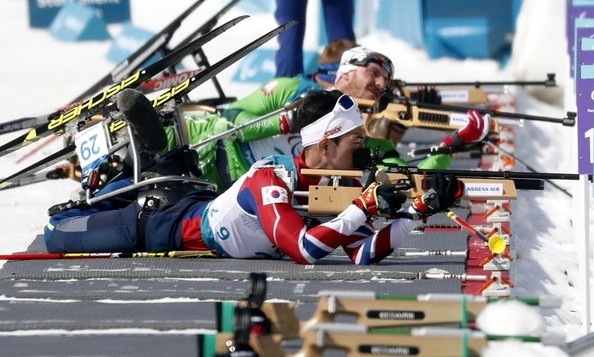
255, 218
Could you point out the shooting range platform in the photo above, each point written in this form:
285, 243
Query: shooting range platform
159, 306
75, 306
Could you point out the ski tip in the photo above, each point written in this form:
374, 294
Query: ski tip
289, 24
234, 21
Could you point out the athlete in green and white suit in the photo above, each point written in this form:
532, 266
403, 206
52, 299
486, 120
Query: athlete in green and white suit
362, 74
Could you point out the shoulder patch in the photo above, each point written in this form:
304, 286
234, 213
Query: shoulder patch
269, 87
274, 194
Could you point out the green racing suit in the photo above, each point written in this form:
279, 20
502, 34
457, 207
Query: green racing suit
224, 161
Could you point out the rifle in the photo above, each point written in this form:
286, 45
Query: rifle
379, 116
333, 199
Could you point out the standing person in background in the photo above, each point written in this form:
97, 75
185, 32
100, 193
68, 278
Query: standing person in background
338, 17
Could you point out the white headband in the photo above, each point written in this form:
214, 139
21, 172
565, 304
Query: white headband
354, 57
334, 124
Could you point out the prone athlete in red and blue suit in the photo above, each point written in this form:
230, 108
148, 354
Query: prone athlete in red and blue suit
255, 218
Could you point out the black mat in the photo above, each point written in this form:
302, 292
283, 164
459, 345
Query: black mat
73, 299
120, 345
334, 267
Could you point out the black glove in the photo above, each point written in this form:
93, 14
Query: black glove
380, 199
441, 193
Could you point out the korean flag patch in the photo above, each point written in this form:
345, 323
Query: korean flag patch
274, 194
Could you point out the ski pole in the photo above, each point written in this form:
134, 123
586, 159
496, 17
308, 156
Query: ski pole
229, 132
496, 243
497, 147
52, 256
449, 149
48, 140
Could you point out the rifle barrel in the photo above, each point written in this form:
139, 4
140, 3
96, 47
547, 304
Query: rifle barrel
568, 121
549, 82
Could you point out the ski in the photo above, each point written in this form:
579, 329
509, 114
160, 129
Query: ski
191, 83
174, 93
118, 73
141, 55
167, 81
38, 177
47, 161
22, 123
58, 120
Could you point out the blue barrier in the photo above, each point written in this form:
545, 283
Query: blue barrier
259, 67
77, 22
468, 28
128, 41
43, 12
457, 38
403, 19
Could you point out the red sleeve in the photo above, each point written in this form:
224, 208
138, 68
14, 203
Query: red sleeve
283, 225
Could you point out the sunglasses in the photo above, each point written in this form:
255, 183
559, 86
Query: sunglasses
344, 103
376, 58
327, 71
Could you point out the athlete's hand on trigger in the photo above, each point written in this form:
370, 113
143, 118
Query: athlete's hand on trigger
442, 192
380, 199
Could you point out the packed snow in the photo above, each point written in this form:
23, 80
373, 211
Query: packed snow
40, 73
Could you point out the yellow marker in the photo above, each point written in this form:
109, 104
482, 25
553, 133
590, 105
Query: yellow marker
497, 244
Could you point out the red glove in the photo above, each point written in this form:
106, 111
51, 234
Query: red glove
475, 130
287, 122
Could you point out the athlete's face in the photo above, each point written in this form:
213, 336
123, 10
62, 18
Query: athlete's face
340, 152
365, 82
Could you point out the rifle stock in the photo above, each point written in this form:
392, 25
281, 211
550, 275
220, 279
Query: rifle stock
358, 342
